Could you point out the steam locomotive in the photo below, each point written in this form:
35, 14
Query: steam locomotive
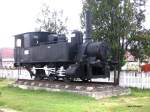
50, 56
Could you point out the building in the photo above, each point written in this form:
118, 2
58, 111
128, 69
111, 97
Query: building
129, 56
6, 57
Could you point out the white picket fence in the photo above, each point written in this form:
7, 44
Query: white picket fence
13, 74
135, 79
127, 78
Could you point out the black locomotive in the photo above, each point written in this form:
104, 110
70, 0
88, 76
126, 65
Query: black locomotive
50, 56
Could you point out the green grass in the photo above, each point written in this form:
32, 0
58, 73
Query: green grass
42, 101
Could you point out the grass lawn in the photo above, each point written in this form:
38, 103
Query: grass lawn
42, 101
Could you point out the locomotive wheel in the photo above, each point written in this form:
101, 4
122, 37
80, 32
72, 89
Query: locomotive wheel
38, 78
51, 78
68, 79
85, 79
40, 74
56, 78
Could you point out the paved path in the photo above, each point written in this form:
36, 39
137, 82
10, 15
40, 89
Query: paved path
7, 110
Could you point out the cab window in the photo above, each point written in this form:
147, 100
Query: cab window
18, 43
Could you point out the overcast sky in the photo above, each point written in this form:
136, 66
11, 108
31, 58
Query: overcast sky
18, 16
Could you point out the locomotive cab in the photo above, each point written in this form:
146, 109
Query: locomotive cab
41, 47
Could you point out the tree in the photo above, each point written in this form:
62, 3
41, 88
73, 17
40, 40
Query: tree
51, 20
140, 47
117, 21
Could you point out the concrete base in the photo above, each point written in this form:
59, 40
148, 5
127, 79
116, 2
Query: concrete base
97, 91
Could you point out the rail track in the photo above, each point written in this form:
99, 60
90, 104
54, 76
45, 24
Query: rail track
97, 90
77, 83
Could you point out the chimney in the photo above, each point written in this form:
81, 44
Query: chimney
88, 25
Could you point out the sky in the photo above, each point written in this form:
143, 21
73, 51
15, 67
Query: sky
19, 16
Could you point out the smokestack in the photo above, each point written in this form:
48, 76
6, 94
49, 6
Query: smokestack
88, 25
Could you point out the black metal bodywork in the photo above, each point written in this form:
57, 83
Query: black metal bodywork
80, 60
